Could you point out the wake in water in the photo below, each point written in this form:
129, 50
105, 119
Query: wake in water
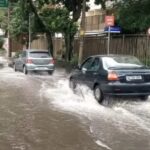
64, 98
84, 103
123, 117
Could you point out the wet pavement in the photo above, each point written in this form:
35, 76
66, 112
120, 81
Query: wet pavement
40, 112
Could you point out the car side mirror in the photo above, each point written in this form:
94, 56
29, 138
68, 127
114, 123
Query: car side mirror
77, 67
84, 70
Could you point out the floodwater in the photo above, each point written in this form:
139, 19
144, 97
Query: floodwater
40, 112
125, 124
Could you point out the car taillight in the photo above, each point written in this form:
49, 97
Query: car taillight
29, 61
112, 76
52, 61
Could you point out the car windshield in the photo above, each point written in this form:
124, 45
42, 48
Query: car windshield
121, 62
39, 54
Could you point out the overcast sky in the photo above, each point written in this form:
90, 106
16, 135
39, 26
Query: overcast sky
93, 6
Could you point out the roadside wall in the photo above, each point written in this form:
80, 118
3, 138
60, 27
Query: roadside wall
137, 45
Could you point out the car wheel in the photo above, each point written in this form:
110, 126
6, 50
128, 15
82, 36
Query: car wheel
98, 94
72, 84
50, 72
25, 71
14, 68
144, 97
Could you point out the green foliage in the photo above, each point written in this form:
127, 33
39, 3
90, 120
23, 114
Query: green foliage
57, 20
3, 19
74, 60
73, 6
134, 16
18, 22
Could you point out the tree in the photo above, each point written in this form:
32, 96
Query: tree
74, 8
3, 20
58, 20
49, 21
18, 24
46, 18
42, 25
70, 29
134, 16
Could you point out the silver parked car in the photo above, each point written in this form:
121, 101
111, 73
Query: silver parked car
34, 60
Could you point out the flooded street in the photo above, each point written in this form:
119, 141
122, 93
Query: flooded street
40, 112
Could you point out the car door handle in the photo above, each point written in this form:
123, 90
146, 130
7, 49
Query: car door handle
95, 73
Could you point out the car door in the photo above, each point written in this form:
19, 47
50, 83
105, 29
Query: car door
17, 62
83, 69
22, 60
92, 72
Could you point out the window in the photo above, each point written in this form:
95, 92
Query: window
122, 61
23, 54
87, 63
39, 54
95, 65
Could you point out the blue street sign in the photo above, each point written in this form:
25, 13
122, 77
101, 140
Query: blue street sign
114, 29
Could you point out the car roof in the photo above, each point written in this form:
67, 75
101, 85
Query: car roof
111, 55
36, 50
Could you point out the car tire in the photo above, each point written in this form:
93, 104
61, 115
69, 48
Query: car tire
98, 94
144, 97
50, 72
14, 68
72, 84
25, 71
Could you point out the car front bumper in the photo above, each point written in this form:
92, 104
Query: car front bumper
126, 89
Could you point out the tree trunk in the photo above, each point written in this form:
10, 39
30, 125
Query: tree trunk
67, 46
69, 38
50, 43
70, 55
48, 33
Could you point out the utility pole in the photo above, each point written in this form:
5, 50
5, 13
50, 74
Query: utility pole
9, 48
108, 41
82, 32
29, 46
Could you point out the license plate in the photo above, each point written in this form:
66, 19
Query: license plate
41, 68
130, 78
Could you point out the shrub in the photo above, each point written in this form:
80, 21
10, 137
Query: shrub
74, 60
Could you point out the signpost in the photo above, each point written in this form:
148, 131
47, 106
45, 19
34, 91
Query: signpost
109, 21
148, 31
3, 3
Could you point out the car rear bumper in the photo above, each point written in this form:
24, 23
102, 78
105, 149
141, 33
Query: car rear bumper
124, 89
32, 67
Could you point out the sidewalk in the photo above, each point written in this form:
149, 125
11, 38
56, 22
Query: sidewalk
65, 65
